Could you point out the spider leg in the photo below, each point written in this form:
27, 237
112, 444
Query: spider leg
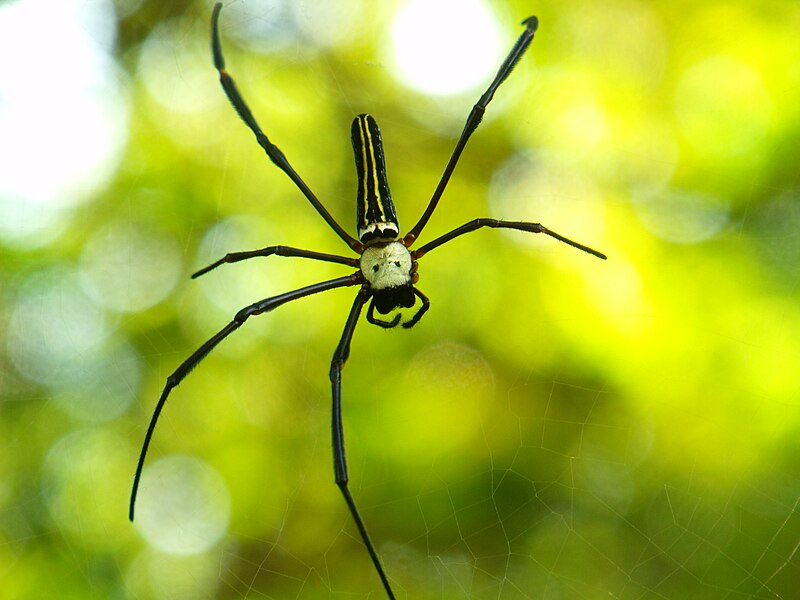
519, 225
426, 304
273, 152
339, 462
473, 120
190, 363
233, 257
380, 322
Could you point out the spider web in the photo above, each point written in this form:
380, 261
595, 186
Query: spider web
564, 511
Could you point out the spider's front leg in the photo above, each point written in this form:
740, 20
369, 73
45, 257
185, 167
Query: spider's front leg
473, 120
339, 462
476, 224
273, 152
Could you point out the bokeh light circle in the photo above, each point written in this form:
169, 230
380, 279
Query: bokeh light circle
128, 269
63, 113
52, 323
107, 385
183, 506
445, 46
681, 217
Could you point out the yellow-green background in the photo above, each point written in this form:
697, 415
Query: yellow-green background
557, 427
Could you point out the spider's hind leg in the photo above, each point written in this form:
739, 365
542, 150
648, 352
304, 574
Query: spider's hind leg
339, 462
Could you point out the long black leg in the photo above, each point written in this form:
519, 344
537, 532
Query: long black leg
271, 149
519, 225
339, 462
473, 120
233, 257
190, 363
426, 304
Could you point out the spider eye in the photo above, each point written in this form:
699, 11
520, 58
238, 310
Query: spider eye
375, 268
397, 263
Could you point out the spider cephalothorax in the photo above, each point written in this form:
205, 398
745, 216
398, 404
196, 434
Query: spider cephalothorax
391, 272
387, 267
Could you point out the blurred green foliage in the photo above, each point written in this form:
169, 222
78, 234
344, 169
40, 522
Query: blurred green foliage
555, 427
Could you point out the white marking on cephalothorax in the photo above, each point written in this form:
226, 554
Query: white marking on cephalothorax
386, 266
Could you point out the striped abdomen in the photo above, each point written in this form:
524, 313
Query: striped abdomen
376, 218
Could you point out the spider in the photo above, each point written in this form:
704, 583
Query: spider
386, 273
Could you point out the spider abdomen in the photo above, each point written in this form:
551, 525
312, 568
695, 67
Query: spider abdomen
376, 218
